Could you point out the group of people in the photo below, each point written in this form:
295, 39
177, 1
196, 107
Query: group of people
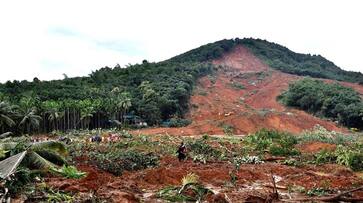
107, 138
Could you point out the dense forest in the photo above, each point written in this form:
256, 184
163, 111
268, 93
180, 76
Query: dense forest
333, 101
146, 93
277, 57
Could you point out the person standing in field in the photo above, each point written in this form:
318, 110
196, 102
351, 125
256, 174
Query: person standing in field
182, 152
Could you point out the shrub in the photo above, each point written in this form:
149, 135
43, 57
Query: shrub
348, 157
178, 122
278, 150
202, 151
277, 143
16, 182
320, 134
324, 156
117, 161
246, 160
237, 86
228, 129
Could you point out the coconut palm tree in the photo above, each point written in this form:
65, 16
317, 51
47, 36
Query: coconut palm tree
30, 120
7, 114
53, 116
124, 104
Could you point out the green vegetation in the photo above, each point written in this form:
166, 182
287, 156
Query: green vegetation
114, 158
332, 101
277, 57
274, 142
349, 156
227, 129
147, 92
317, 192
190, 190
138, 152
237, 86
176, 122
69, 172
320, 134
202, 152
285, 60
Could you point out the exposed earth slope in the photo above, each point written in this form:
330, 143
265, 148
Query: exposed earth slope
241, 96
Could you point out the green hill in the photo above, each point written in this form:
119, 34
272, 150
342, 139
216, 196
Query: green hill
151, 92
277, 57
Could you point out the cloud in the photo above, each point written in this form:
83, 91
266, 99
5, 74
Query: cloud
45, 39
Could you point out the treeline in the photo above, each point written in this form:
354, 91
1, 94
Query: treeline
277, 57
147, 92
283, 59
329, 100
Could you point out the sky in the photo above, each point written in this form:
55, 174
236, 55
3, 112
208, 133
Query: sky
49, 38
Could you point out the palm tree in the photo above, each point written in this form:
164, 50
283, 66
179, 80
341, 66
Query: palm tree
86, 117
87, 111
124, 103
7, 112
53, 116
30, 120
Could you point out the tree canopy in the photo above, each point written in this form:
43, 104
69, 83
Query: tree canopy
332, 101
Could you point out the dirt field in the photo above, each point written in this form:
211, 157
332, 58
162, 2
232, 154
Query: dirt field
252, 180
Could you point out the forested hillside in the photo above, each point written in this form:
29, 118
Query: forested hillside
333, 101
154, 92
148, 92
277, 57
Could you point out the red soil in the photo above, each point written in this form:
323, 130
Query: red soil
216, 102
132, 186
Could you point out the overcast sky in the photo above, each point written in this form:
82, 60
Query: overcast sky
47, 38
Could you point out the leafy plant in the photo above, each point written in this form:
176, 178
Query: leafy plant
190, 190
349, 157
277, 143
324, 156
317, 191
247, 160
16, 182
291, 162
320, 134
69, 172
117, 161
202, 151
